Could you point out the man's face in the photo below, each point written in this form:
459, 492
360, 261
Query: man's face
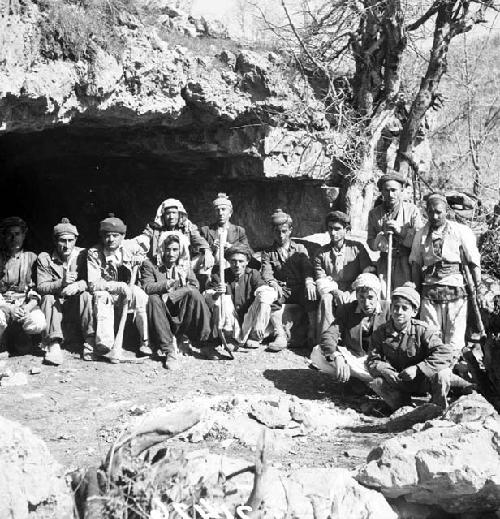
367, 300
171, 254
436, 211
282, 233
14, 238
65, 243
223, 213
112, 240
392, 193
337, 232
171, 217
238, 264
402, 312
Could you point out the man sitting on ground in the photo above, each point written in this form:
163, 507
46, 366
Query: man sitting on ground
286, 267
345, 344
407, 357
61, 283
336, 266
245, 316
20, 314
175, 304
112, 265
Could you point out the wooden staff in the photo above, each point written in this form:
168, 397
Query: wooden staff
389, 267
222, 242
471, 293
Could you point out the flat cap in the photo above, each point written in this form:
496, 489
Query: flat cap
338, 216
394, 176
408, 292
238, 249
436, 196
112, 224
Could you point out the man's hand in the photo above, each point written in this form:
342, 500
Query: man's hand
220, 289
311, 294
19, 313
343, 370
209, 260
69, 277
392, 226
71, 289
408, 374
97, 285
390, 376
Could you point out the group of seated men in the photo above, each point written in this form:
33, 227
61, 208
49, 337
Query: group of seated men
206, 284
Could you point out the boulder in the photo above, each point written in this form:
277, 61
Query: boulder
274, 414
31, 481
455, 467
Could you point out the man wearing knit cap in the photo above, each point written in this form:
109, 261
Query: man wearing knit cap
345, 343
287, 268
172, 218
112, 267
407, 357
222, 229
399, 217
66, 304
439, 251
336, 266
20, 314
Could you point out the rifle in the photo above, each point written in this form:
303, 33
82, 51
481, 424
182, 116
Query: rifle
222, 281
471, 293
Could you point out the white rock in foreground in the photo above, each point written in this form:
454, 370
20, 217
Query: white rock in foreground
31, 484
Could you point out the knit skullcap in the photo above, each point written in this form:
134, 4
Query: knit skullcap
394, 176
279, 217
338, 216
13, 221
367, 280
408, 292
65, 227
112, 224
222, 200
238, 249
437, 196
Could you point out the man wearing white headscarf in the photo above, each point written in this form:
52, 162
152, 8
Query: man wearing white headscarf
344, 345
172, 218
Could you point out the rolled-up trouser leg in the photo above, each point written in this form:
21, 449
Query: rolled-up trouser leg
393, 396
160, 324
357, 365
139, 303
53, 311
104, 312
34, 323
192, 314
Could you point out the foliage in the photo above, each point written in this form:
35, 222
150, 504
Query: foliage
490, 251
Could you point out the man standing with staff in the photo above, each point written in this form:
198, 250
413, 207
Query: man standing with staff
397, 220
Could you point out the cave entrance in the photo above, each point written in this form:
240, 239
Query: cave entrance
88, 173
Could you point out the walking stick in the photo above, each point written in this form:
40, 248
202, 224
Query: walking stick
222, 281
471, 293
389, 267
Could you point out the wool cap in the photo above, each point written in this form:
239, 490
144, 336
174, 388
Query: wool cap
368, 280
338, 216
408, 292
436, 196
222, 200
394, 176
238, 249
112, 224
65, 227
13, 221
279, 217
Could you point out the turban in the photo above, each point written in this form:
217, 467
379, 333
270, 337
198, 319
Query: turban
222, 200
367, 280
437, 196
169, 202
408, 292
13, 221
238, 249
279, 217
338, 216
112, 224
65, 227
396, 177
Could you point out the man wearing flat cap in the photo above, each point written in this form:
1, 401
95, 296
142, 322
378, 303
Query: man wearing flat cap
399, 217
223, 230
20, 314
336, 266
440, 250
112, 268
287, 268
250, 299
66, 304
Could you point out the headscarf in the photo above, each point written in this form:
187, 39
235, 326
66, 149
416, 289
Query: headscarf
368, 280
170, 202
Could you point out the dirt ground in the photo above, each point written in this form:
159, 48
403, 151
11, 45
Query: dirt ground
80, 407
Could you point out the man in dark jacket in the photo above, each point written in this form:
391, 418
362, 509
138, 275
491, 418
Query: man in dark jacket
345, 343
175, 305
287, 268
61, 283
408, 357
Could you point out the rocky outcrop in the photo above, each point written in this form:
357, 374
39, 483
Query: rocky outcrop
453, 464
31, 482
